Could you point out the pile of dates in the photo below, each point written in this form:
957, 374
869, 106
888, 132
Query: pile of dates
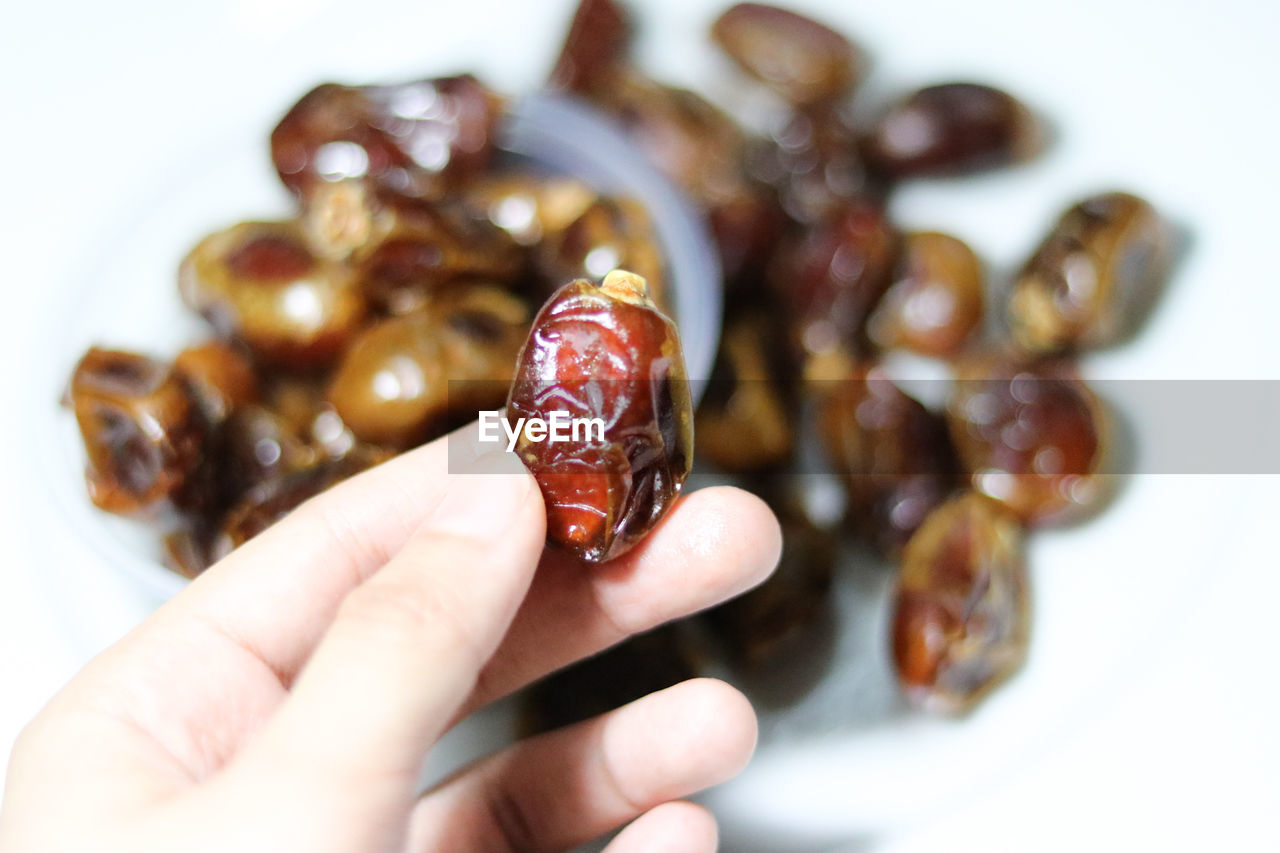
820, 287
418, 256
389, 309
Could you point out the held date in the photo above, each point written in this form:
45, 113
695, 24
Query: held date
605, 352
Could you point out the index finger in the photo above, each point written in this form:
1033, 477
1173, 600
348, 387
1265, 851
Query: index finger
276, 594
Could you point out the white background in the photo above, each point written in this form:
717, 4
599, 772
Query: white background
1145, 718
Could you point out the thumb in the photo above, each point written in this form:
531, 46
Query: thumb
407, 645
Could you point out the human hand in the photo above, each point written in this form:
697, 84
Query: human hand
288, 697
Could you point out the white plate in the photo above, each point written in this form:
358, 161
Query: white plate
1171, 102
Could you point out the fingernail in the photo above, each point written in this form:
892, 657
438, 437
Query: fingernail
482, 499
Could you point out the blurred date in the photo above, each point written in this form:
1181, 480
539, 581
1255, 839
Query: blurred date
960, 618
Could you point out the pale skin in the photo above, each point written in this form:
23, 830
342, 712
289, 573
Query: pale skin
287, 699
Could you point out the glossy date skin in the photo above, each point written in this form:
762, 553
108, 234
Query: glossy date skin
422, 137
605, 352
952, 129
142, 429
960, 622
259, 284
1093, 279
802, 60
935, 304
1033, 437
894, 455
406, 379
829, 278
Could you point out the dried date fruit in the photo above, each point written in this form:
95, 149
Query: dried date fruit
813, 162
638, 666
1092, 280
605, 352
935, 304
1032, 437
436, 248
595, 48
421, 137
894, 455
609, 234
258, 445
829, 279
802, 60
960, 620
952, 129
691, 140
700, 148
402, 248
746, 420
746, 224
186, 552
142, 429
269, 501
259, 283
221, 378
530, 209
393, 385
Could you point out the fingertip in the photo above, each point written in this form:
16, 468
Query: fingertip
757, 517
675, 827
723, 723
733, 527
488, 495
686, 738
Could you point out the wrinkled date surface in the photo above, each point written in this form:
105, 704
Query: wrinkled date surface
960, 618
894, 454
605, 352
1094, 278
952, 129
1033, 438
